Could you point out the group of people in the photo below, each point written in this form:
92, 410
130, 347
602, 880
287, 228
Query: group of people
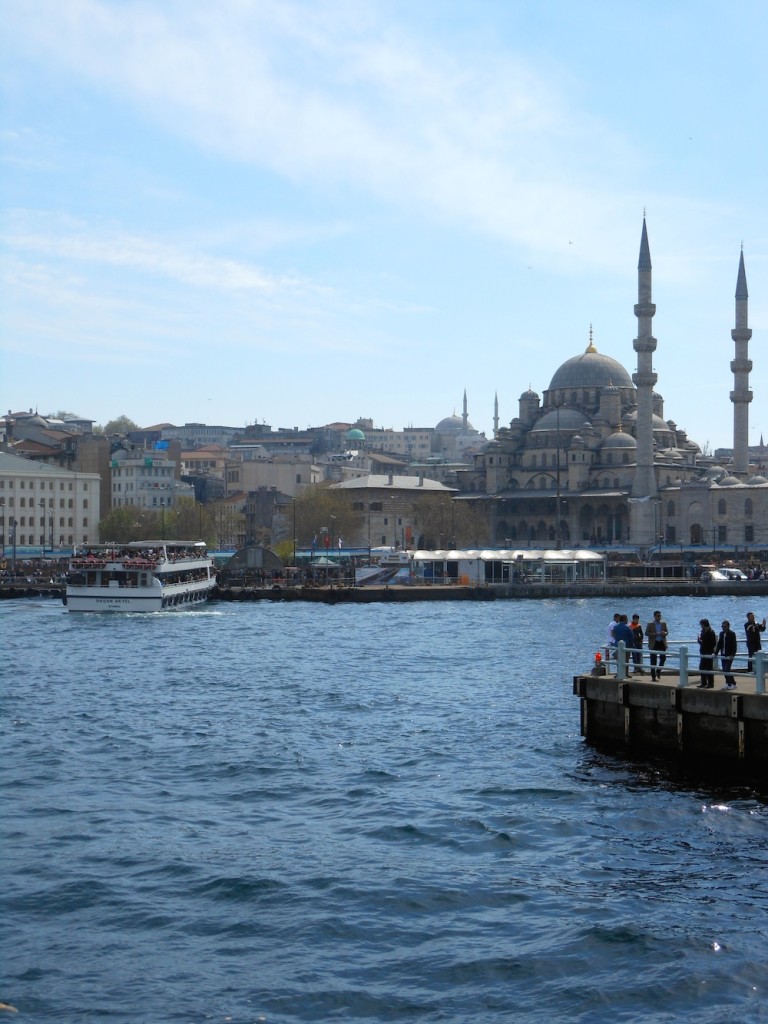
711, 644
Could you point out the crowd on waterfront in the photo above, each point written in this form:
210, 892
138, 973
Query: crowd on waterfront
711, 645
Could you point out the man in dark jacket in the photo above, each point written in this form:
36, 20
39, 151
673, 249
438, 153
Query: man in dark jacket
726, 648
752, 631
707, 645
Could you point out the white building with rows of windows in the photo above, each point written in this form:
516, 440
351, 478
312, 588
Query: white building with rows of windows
45, 506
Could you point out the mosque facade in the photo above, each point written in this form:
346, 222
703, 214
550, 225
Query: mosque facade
594, 461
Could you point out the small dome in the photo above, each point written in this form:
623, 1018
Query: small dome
714, 472
757, 479
529, 394
355, 435
729, 481
619, 440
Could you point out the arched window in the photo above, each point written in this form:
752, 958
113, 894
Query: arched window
670, 509
748, 508
722, 507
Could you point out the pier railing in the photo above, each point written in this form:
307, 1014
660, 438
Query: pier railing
684, 664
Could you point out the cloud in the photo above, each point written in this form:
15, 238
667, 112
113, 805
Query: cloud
334, 94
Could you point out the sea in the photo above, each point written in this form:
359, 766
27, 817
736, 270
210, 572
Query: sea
288, 812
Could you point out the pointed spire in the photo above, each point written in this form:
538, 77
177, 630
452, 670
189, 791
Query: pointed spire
741, 280
590, 347
644, 263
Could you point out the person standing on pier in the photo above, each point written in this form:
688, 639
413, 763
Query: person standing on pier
656, 632
707, 647
637, 650
726, 648
752, 630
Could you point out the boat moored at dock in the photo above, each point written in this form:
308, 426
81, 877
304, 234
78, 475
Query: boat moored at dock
141, 576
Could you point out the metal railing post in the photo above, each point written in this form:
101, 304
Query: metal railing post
683, 680
621, 661
759, 671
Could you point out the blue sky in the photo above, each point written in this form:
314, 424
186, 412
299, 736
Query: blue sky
295, 213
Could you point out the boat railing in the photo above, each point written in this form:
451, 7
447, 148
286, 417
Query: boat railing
621, 661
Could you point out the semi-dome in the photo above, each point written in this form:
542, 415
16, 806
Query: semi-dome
452, 425
565, 418
591, 370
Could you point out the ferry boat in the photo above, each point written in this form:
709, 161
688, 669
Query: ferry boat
142, 576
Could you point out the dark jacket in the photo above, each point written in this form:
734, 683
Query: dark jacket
726, 643
707, 641
753, 631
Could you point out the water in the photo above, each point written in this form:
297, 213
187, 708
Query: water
289, 813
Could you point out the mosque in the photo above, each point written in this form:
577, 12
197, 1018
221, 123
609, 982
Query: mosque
594, 461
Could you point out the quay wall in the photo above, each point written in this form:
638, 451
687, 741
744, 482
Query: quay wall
623, 588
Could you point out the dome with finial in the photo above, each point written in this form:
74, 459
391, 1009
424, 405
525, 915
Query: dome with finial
591, 370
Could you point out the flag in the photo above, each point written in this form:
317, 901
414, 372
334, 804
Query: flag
339, 543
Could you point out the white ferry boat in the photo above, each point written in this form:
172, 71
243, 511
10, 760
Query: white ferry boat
143, 576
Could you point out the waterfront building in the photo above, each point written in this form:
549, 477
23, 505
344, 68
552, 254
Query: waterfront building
389, 508
146, 478
47, 507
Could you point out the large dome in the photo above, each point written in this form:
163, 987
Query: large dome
591, 370
452, 425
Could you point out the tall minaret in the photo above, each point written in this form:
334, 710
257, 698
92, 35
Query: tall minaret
496, 414
464, 416
643, 524
741, 396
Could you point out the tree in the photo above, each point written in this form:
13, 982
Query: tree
121, 425
319, 510
443, 522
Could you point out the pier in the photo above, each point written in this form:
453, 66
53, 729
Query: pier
675, 717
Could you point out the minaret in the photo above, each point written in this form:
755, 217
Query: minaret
741, 396
464, 416
644, 483
496, 414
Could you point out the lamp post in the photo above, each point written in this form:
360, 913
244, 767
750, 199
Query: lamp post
50, 529
558, 536
42, 517
2, 518
13, 545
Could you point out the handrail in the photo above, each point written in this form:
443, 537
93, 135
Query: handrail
622, 656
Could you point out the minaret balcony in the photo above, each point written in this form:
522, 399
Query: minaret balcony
645, 309
646, 380
741, 366
741, 333
646, 344
741, 397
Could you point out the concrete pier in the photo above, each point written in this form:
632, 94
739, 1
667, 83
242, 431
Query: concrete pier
727, 728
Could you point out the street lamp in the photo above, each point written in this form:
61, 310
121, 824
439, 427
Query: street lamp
42, 506
2, 518
13, 543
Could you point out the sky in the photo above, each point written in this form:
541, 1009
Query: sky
296, 213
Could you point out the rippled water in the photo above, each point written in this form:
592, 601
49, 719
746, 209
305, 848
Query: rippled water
286, 812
